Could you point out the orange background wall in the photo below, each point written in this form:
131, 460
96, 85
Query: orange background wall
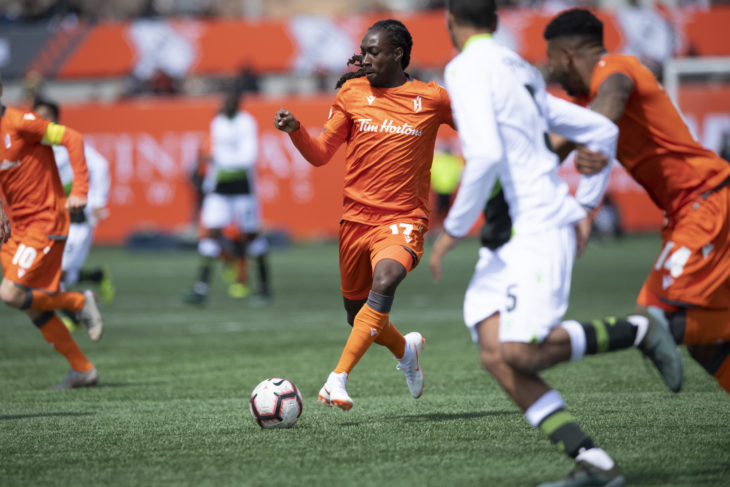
151, 146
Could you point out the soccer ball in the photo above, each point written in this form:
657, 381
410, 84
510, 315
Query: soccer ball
275, 403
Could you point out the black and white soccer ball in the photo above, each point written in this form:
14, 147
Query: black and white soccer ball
275, 403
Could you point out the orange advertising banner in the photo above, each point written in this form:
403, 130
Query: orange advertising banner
182, 47
152, 145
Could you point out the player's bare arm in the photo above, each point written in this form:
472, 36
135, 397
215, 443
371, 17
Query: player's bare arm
612, 96
285, 121
441, 246
4, 226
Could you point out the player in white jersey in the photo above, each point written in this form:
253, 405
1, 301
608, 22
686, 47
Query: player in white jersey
503, 116
81, 229
230, 199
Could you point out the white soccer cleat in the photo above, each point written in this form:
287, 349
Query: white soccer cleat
75, 379
91, 317
333, 392
409, 363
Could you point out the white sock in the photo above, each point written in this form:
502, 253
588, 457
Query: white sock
577, 339
544, 407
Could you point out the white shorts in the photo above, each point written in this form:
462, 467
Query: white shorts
219, 211
527, 281
77, 246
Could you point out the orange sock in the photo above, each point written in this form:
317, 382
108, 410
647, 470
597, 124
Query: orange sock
70, 300
241, 270
368, 325
393, 340
58, 336
706, 326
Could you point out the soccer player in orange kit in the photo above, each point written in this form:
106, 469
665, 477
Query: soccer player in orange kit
38, 211
688, 286
389, 122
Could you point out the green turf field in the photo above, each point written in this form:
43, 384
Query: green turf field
171, 407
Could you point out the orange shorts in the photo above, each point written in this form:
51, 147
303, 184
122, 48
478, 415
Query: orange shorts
693, 267
33, 260
363, 246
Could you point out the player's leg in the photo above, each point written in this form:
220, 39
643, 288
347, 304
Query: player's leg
538, 274
82, 373
215, 215
32, 269
706, 332
258, 248
544, 408
239, 287
249, 221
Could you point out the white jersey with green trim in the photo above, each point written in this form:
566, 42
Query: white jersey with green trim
234, 146
504, 115
99, 177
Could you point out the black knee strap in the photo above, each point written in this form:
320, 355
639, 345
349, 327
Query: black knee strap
43, 319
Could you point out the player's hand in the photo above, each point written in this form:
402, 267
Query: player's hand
4, 226
441, 246
74, 204
285, 121
100, 213
588, 162
582, 234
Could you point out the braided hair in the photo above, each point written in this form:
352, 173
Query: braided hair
399, 37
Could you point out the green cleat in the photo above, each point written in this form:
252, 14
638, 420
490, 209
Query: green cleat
588, 473
106, 286
238, 290
659, 346
70, 324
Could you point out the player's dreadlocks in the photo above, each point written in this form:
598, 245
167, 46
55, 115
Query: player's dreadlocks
576, 22
399, 37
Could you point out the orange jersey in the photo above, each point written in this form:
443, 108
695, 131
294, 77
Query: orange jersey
29, 180
390, 135
654, 143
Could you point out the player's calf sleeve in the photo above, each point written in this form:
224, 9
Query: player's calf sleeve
58, 336
549, 414
601, 336
368, 325
41, 301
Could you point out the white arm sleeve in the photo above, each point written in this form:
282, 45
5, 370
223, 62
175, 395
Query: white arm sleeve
591, 129
99, 179
481, 144
250, 143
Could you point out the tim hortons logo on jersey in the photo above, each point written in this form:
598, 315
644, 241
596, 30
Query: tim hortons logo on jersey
388, 126
5, 165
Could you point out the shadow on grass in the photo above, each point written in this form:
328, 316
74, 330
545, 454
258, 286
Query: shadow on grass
41, 415
704, 476
452, 416
128, 384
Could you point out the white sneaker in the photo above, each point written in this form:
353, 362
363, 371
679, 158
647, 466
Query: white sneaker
409, 363
91, 317
75, 379
333, 392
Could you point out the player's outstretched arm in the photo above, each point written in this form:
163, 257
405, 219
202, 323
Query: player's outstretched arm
4, 226
316, 150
